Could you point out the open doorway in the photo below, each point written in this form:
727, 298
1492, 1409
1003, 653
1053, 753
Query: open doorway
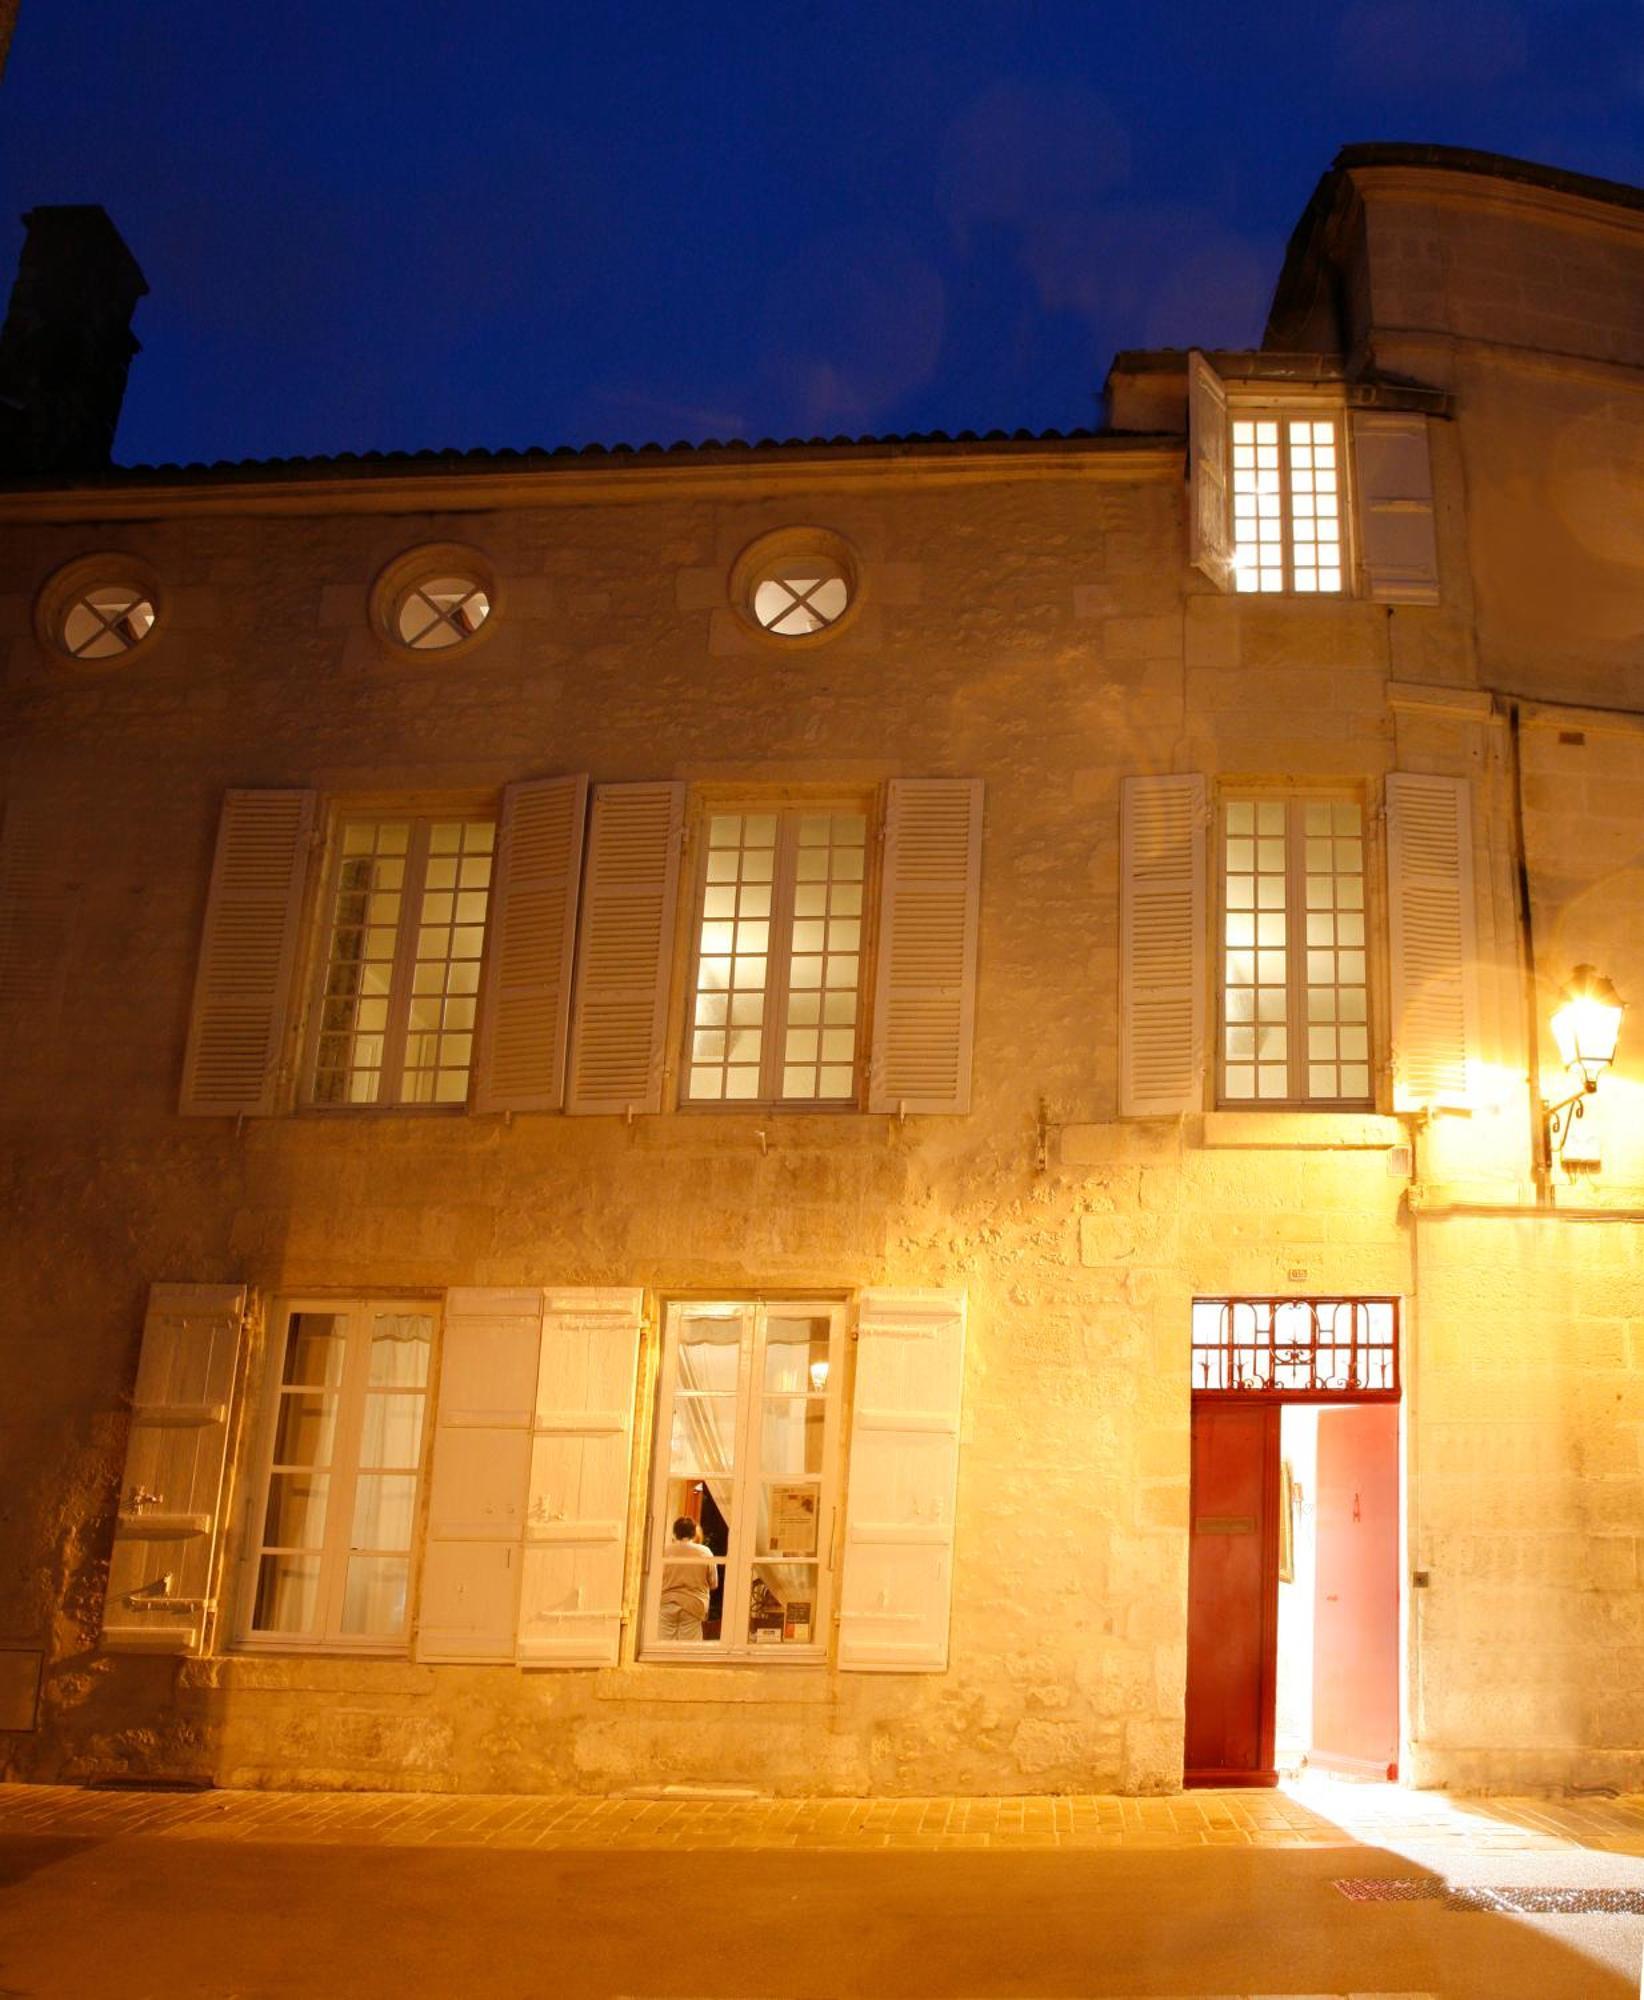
1294, 1565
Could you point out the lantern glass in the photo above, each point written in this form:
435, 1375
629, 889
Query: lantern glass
1587, 1024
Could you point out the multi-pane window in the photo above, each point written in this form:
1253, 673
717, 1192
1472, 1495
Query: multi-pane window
776, 984
746, 1454
331, 1553
1295, 1024
1287, 528
407, 932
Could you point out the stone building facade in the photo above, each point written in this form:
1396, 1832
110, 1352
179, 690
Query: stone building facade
546, 990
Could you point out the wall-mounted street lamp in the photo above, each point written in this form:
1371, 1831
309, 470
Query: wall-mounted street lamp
1586, 1026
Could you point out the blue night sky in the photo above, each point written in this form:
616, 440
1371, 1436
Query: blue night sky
388, 226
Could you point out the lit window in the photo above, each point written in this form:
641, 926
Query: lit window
801, 595
1295, 996
348, 1391
1287, 531
103, 622
745, 1481
776, 981
441, 611
401, 983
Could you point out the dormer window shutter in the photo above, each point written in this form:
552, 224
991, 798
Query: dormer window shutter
1162, 947
625, 948
248, 954
1209, 515
525, 1001
1432, 925
1398, 544
924, 1006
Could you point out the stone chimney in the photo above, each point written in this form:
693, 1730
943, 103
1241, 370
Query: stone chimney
66, 344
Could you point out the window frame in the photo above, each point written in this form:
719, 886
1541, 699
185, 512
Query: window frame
786, 805
343, 1470
1252, 405
741, 1555
420, 813
1295, 801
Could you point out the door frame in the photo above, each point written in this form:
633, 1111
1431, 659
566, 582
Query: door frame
1265, 1774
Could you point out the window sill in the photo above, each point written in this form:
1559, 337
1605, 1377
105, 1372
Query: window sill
1302, 1131
806, 1681
308, 1672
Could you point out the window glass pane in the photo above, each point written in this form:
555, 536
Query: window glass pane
315, 1344
400, 1347
819, 1050
1336, 993
733, 946
305, 1430
392, 1431
792, 1434
374, 1596
450, 943
796, 1354
384, 1505
782, 1605
1255, 956
295, 1518
288, 1594
365, 919
691, 1588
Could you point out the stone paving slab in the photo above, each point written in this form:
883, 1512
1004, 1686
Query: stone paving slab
1313, 1814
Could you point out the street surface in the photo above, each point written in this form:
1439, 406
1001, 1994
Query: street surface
258, 1896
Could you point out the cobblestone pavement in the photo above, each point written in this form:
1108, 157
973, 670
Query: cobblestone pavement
1311, 1814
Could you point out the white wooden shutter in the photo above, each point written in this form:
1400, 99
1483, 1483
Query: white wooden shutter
581, 1466
163, 1570
34, 911
897, 1586
1432, 926
1398, 546
247, 954
1209, 517
924, 1004
469, 1601
625, 947
1162, 947
525, 1001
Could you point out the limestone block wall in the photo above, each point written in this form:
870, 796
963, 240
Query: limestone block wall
1035, 626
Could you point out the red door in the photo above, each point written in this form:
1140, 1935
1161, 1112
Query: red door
1233, 1594
1356, 1611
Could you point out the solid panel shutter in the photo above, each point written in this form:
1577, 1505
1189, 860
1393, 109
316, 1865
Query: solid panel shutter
482, 1460
1432, 927
1209, 518
904, 1474
625, 947
162, 1570
1162, 926
581, 1465
1397, 540
526, 999
247, 954
924, 1004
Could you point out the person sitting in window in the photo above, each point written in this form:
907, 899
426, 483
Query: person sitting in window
689, 1572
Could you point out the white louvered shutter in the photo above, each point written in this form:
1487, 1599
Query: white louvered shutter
1432, 927
581, 1466
625, 947
1162, 947
897, 1587
247, 954
162, 1573
924, 1003
1209, 517
1398, 545
469, 1601
525, 1001
34, 913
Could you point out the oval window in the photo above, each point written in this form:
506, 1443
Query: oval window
105, 621
798, 595
441, 611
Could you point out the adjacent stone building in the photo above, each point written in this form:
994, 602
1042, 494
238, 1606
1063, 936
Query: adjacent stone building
967, 1017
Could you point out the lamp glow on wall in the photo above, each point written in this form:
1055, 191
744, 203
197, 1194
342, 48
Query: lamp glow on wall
1586, 1025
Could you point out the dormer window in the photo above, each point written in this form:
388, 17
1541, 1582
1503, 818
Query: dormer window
1287, 527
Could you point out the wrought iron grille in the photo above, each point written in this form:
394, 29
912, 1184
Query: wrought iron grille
1296, 1347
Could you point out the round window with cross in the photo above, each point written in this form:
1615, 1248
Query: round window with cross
800, 595
441, 611
99, 608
